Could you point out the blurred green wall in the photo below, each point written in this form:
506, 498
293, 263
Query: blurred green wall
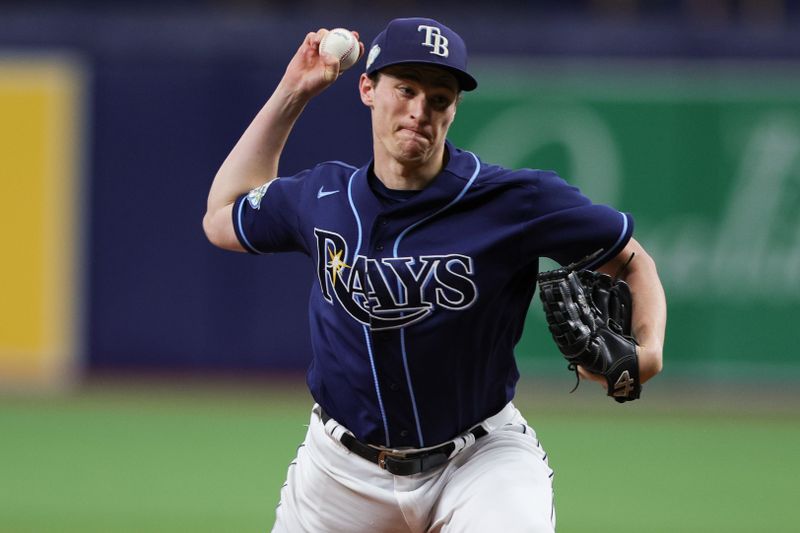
706, 156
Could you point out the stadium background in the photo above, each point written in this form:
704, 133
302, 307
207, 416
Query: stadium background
149, 382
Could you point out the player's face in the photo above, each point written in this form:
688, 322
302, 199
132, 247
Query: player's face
413, 107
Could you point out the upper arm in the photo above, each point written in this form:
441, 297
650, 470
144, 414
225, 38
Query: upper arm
265, 220
633, 256
568, 227
218, 226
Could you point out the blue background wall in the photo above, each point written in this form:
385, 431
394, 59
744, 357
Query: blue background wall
172, 86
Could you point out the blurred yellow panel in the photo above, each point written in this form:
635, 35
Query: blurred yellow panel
41, 113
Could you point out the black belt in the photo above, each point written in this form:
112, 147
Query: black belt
397, 462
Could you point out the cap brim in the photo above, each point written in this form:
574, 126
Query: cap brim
465, 81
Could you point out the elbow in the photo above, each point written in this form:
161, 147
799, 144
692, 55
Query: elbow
218, 227
212, 230
208, 228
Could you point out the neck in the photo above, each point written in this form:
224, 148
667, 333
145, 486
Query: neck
409, 175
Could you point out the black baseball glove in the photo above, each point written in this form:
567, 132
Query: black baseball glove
589, 314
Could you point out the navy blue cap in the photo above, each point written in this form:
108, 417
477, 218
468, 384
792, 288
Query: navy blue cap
421, 40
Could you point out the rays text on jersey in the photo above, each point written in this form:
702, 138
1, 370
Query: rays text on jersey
392, 292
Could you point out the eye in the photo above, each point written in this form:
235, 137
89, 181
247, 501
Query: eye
405, 90
441, 102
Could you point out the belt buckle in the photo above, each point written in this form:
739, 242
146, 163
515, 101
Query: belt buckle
382, 454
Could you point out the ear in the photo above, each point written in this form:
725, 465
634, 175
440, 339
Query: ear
366, 89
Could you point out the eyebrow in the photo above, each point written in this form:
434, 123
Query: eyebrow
440, 80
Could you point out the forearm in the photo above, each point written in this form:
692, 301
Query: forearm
252, 162
254, 159
649, 319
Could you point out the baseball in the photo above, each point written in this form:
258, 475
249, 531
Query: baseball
341, 43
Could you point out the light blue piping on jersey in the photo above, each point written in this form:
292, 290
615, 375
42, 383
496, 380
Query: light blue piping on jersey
343, 164
403, 330
366, 330
241, 228
602, 259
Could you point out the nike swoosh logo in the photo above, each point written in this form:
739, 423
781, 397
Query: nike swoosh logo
322, 194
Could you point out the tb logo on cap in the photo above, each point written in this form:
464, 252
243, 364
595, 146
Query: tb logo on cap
434, 39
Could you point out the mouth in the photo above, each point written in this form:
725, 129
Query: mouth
413, 132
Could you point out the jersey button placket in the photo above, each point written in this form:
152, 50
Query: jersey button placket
379, 233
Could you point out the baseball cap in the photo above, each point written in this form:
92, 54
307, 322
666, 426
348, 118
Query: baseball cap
421, 40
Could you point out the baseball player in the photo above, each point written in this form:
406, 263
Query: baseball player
426, 262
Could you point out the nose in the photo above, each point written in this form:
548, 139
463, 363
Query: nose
419, 108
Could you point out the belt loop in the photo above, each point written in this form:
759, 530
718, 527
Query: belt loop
462, 443
503, 417
331, 426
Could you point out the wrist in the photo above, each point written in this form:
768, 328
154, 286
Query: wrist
290, 99
650, 361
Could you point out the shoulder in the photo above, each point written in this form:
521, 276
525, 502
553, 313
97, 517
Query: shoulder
532, 190
533, 179
528, 178
327, 173
326, 169
336, 166
332, 173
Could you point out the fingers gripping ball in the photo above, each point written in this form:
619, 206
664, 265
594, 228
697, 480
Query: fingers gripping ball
589, 316
342, 44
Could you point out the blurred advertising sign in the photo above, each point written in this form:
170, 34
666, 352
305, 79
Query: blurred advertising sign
707, 158
41, 147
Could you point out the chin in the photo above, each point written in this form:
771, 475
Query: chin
413, 152
415, 158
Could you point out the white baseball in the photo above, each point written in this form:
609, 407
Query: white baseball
341, 43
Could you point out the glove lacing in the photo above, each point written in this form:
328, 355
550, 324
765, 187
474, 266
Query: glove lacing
573, 367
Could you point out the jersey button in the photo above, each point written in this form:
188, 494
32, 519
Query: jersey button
379, 247
394, 386
404, 433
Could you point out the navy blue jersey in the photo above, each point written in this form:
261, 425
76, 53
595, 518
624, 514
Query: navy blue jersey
417, 305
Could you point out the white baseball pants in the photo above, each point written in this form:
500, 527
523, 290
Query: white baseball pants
502, 482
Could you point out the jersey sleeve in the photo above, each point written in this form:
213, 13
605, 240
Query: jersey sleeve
570, 227
266, 220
